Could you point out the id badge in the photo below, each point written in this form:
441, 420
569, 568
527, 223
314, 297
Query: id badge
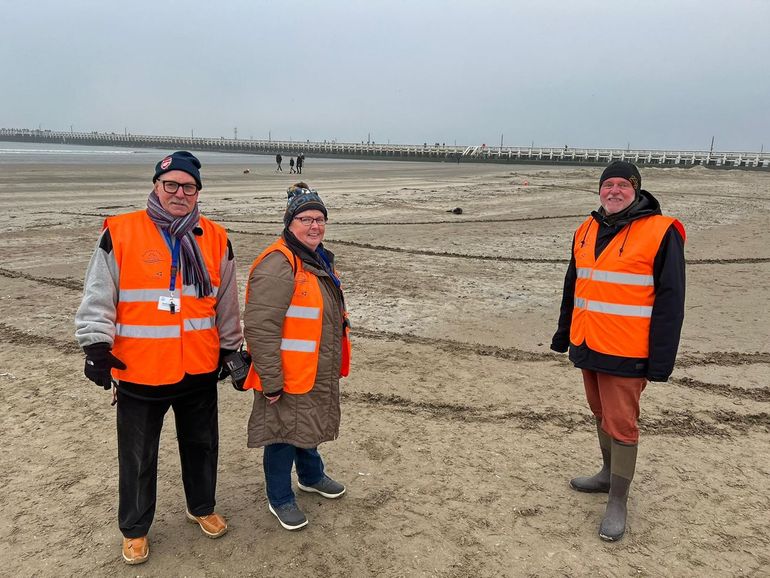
168, 303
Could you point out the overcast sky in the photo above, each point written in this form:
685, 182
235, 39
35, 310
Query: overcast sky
591, 73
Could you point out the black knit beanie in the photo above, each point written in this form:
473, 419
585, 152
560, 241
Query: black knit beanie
302, 198
180, 161
623, 170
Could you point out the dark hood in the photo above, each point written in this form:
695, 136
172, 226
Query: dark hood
644, 205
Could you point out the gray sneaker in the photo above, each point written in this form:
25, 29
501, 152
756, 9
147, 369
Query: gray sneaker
327, 487
289, 515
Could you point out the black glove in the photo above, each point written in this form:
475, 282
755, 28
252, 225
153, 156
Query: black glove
560, 342
236, 364
224, 371
99, 362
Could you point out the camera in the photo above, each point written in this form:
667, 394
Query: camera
237, 365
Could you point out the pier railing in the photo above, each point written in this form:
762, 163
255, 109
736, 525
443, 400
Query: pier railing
413, 152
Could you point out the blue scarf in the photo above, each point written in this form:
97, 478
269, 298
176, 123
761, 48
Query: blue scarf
324, 259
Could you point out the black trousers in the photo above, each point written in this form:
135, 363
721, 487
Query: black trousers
139, 426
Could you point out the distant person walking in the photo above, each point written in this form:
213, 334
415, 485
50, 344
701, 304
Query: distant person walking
291, 166
621, 317
300, 162
278, 161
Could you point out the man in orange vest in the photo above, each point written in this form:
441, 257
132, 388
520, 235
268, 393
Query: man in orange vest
621, 317
159, 312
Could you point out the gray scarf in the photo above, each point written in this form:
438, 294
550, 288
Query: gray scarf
194, 271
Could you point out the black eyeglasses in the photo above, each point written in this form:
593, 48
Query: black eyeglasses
307, 221
171, 187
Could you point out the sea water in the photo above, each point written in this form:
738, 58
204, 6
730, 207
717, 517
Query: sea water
48, 153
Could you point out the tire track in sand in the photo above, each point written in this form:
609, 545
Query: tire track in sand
16, 336
429, 253
729, 358
761, 394
10, 334
458, 221
509, 353
56, 282
712, 423
448, 254
514, 354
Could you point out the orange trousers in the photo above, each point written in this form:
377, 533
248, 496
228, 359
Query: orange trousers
614, 401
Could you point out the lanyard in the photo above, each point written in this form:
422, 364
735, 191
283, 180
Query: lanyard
175, 249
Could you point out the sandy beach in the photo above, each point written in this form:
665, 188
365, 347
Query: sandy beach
460, 427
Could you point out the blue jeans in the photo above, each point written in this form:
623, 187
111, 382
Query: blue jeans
278, 460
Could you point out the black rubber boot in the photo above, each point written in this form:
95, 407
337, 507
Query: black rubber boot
613, 525
599, 482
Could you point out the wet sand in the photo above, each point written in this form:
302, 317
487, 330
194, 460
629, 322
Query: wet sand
460, 427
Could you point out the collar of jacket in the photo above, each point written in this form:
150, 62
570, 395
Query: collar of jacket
643, 206
309, 258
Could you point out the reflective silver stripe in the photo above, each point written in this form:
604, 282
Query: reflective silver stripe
304, 345
141, 295
580, 303
616, 309
612, 277
152, 295
300, 312
148, 331
189, 290
199, 323
623, 278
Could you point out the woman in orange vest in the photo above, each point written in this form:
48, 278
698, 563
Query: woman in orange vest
621, 317
296, 330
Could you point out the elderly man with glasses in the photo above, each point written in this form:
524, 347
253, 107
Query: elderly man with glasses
159, 313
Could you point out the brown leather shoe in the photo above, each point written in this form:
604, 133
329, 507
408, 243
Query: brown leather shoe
136, 550
212, 525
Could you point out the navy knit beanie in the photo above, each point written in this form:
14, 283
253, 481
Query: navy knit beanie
180, 161
623, 170
302, 198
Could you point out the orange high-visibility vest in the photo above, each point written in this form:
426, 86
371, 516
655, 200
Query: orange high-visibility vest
159, 347
614, 294
302, 327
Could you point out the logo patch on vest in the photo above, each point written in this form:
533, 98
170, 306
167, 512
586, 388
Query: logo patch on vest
152, 256
300, 284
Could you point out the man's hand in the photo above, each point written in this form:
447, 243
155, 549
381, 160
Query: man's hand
560, 342
236, 364
99, 363
224, 371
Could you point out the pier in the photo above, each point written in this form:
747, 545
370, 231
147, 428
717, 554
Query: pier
436, 152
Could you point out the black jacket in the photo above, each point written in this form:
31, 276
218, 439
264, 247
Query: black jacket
667, 310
